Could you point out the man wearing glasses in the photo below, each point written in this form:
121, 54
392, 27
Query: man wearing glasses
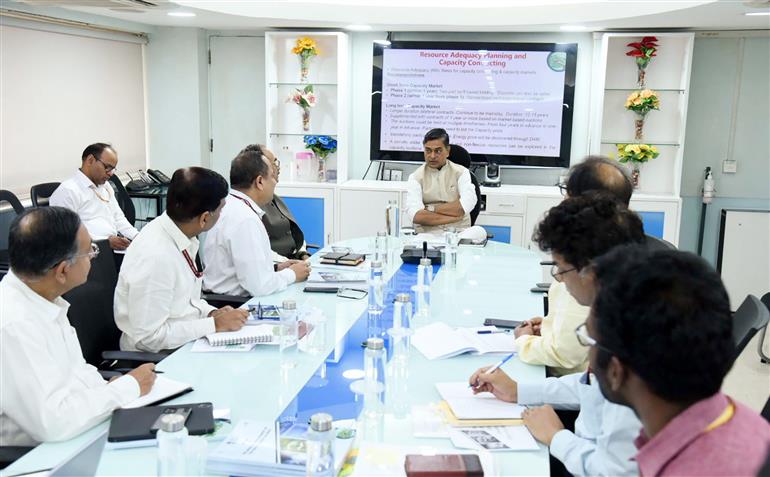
88, 194
48, 391
577, 231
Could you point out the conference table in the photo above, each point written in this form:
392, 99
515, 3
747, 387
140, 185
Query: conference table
489, 282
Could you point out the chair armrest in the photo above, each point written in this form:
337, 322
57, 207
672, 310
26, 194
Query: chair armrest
107, 375
312, 245
139, 356
9, 454
217, 300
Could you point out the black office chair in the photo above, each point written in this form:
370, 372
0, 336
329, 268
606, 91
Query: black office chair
766, 410
762, 356
10, 197
748, 319
40, 193
124, 201
459, 155
91, 314
9, 454
655, 244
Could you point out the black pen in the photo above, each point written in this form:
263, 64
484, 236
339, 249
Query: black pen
157, 371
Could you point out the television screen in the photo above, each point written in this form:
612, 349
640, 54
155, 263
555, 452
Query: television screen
506, 103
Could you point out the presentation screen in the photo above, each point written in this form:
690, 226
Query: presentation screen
506, 103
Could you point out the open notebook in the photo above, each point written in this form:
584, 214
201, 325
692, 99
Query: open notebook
466, 405
264, 333
439, 340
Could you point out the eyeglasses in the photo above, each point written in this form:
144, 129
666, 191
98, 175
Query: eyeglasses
556, 274
562, 188
582, 336
352, 293
91, 255
107, 167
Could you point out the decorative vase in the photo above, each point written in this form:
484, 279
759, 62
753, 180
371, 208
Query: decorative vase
635, 176
640, 77
639, 127
304, 67
321, 167
306, 119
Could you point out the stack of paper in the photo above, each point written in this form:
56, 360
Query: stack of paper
439, 340
335, 278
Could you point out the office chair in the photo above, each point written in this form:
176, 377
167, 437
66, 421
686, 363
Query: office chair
9, 454
766, 410
40, 193
124, 201
10, 197
762, 356
91, 314
655, 244
459, 155
748, 319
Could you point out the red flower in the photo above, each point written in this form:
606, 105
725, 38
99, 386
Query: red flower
635, 45
647, 39
634, 53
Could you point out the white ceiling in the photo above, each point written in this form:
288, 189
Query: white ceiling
435, 15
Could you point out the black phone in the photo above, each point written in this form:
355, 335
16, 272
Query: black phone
182, 411
310, 289
502, 323
159, 177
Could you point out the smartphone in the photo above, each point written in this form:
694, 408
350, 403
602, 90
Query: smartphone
309, 289
502, 323
182, 411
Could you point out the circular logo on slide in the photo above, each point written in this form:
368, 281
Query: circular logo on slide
557, 60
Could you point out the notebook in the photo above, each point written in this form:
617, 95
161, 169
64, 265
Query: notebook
334, 258
135, 424
466, 405
163, 390
438, 340
263, 333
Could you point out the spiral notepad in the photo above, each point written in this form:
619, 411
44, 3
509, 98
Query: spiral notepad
246, 335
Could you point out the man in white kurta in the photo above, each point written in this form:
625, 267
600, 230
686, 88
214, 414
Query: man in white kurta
47, 390
237, 253
158, 304
88, 194
440, 193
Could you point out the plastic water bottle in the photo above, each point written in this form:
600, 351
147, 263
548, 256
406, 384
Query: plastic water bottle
171, 438
376, 288
289, 334
422, 289
402, 314
393, 219
373, 414
320, 447
398, 377
381, 248
449, 253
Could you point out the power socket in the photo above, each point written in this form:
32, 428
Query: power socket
729, 167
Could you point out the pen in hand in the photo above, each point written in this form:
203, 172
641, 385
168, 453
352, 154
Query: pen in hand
490, 332
493, 368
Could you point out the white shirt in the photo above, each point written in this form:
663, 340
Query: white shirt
47, 391
237, 253
96, 205
158, 301
603, 441
415, 204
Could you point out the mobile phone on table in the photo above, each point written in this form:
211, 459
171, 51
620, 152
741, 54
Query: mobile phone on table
182, 411
502, 323
310, 289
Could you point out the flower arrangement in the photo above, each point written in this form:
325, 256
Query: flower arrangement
322, 146
643, 51
305, 48
305, 99
636, 153
642, 102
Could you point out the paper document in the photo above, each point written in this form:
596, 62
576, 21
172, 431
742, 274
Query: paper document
162, 389
466, 405
438, 340
202, 345
266, 333
493, 439
328, 277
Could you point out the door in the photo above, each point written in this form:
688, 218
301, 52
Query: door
237, 96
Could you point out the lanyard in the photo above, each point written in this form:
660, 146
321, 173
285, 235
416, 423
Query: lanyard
722, 419
245, 202
190, 262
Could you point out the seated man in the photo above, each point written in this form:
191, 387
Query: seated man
48, 391
237, 251
158, 303
602, 443
440, 193
286, 237
660, 337
89, 195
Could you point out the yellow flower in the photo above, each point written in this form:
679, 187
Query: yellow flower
296, 50
654, 150
647, 93
635, 149
637, 101
644, 147
631, 96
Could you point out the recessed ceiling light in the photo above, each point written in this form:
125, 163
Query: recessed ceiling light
358, 27
181, 14
757, 14
573, 28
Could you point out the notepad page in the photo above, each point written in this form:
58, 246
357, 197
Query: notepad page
466, 405
163, 388
489, 343
438, 340
245, 335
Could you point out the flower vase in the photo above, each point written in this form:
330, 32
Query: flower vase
640, 77
635, 176
306, 119
304, 68
321, 168
638, 132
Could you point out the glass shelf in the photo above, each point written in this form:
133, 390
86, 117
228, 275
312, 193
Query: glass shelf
635, 141
287, 83
646, 87
301, 134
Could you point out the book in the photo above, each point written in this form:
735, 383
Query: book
263, 333
466, 405
438, 340
342, 258
445, 465
337, 278
163, 390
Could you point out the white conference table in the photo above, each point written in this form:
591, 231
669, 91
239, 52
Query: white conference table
490, 282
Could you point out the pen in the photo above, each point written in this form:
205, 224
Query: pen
489, 332
494, 368
157, 372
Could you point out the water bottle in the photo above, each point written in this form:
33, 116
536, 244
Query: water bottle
402, 314
422, 289
171, 438
449, 253
398, 377
320, 447
289, 334
376, 288
373, 414
393, 219
381, 248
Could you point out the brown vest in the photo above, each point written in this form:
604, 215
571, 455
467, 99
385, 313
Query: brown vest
440, 186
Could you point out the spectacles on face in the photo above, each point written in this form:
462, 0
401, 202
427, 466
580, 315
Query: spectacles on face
557, 274
92, 254
107, 167
585, 340
562, 188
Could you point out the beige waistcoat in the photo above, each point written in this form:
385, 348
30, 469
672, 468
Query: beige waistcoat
440, 186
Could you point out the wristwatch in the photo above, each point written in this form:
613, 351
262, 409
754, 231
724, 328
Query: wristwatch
430, 208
